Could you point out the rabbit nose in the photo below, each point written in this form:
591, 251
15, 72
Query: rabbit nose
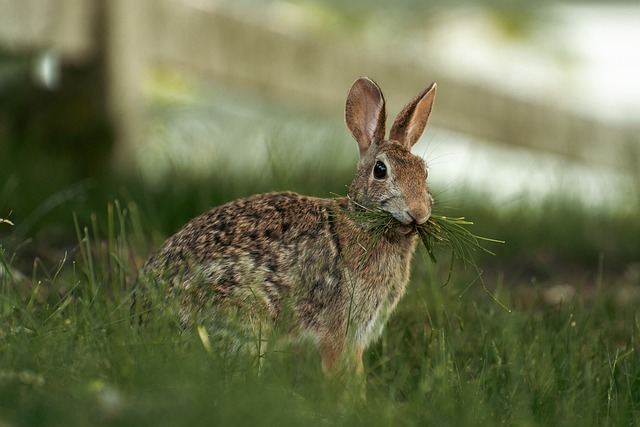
420, 215
419, 209
422, 218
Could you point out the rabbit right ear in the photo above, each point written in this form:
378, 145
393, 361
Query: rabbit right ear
365, 113
411, 121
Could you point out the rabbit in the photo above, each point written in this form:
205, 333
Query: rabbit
303, 264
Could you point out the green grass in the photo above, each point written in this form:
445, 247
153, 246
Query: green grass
70, 353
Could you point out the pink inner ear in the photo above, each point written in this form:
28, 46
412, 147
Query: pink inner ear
365, 113
419, 120
411, 121
372, 125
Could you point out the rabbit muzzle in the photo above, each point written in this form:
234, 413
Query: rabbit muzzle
415, 216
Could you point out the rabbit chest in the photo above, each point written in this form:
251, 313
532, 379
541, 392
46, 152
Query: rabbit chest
380, 278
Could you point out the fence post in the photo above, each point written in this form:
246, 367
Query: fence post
125, 25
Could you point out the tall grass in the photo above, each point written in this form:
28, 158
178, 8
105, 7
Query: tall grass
72, 351
71, 354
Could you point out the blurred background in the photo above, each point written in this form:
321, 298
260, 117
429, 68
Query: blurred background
179, 105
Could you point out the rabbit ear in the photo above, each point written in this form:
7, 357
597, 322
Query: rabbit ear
365, 113
411, 121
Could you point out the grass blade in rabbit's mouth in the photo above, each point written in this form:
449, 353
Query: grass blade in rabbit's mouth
439, 230
452, 233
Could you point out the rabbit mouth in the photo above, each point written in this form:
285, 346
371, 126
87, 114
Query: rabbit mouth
406, 229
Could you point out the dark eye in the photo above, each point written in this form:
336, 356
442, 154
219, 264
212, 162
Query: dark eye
380, 170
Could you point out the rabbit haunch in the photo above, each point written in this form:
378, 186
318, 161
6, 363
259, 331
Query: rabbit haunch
307, 264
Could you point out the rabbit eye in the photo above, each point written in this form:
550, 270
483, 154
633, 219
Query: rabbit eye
380, 170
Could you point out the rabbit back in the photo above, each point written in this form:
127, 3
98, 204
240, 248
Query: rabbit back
278, 253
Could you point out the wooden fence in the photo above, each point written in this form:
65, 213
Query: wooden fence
239, 50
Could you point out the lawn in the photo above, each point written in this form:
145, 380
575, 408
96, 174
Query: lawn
555, 342
70, 353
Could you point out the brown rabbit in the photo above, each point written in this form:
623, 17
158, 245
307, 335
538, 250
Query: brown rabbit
305, 265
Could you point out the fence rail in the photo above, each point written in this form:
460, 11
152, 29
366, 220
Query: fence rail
135, 35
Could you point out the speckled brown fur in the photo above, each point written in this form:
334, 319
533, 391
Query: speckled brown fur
302, 263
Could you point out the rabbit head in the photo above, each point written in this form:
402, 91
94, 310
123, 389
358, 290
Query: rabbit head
389, 177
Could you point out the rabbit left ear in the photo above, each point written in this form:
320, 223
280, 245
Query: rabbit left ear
365, 113
411, 121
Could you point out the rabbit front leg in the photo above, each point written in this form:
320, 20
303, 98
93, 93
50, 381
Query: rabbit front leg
359, 365
344, 370
331, 356
340, 362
